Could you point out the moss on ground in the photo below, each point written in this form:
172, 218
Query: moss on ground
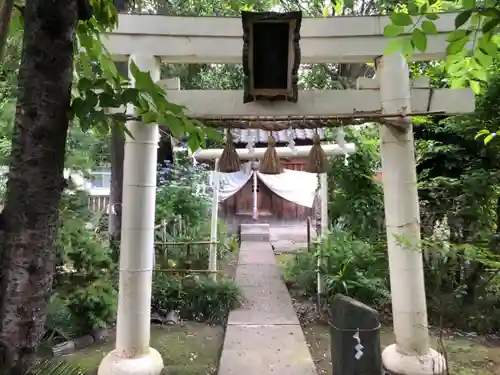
188, 349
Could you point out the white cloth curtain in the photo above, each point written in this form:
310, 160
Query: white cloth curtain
295, 186
231, 183
298, 187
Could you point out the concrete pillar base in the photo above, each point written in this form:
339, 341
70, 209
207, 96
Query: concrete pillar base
433, 363
148, 364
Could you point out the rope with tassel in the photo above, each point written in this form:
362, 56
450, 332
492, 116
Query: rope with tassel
317, 160
271, 163
229, 161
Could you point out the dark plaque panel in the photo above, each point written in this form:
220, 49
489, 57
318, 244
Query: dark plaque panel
271, 55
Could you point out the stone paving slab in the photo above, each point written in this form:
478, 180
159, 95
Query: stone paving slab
264, 305
255, 232
258, 275
254, 247
284, 246
264, 336
266, 350
257, 257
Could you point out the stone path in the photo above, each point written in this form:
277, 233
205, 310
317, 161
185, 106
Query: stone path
264, 336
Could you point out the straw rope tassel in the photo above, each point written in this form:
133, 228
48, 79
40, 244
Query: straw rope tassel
271, 163
316, 162
229, 161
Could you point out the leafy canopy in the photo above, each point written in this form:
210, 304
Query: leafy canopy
100, 86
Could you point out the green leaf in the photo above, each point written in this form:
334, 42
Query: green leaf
394, 45
325, 11
401, 19
149, 118
419, 40
468, 4
91, 100
490, 12
432, 16
490, 25
338, 8
481, 132
413, 9
457, 35
349, 4
194, 141
407, 48
392, 30
487, 47
78, 106
462, 18
489, 137
174, 108
84, 84
475, 86
107, 100
212, 133
483, 60
429, 27
456, 46
131, 95
175, 125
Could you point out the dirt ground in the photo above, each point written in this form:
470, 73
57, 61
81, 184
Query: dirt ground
466, 356
188, 349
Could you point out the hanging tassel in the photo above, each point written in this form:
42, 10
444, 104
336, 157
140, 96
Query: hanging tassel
316, 162
271, 163
229, 161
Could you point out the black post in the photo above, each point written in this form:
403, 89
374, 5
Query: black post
355, 338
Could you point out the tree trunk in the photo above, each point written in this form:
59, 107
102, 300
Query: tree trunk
116, 190
5, 17
165, 148
36, 181
117, 152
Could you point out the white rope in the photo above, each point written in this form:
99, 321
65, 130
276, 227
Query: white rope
291, 141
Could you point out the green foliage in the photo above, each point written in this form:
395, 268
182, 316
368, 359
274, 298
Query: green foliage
355, 199
462, 277
55, 368
472, 47
83, 282
183, 206
181, 195
351, 267
195, 297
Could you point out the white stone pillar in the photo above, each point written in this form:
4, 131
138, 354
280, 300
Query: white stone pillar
133, 355
212, 261
411, 354
323, 198
255, 194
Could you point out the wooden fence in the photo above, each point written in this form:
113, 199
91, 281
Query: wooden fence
98, 203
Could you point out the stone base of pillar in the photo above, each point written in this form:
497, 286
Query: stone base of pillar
149, 364
433, 363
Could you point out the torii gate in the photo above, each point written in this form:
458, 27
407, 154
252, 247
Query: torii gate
150, 39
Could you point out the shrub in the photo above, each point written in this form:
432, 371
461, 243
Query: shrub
195, 297
181, 197
82, 284
183, 206
351, 267
462, 278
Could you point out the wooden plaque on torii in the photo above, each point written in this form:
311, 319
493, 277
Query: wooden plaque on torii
271, 55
